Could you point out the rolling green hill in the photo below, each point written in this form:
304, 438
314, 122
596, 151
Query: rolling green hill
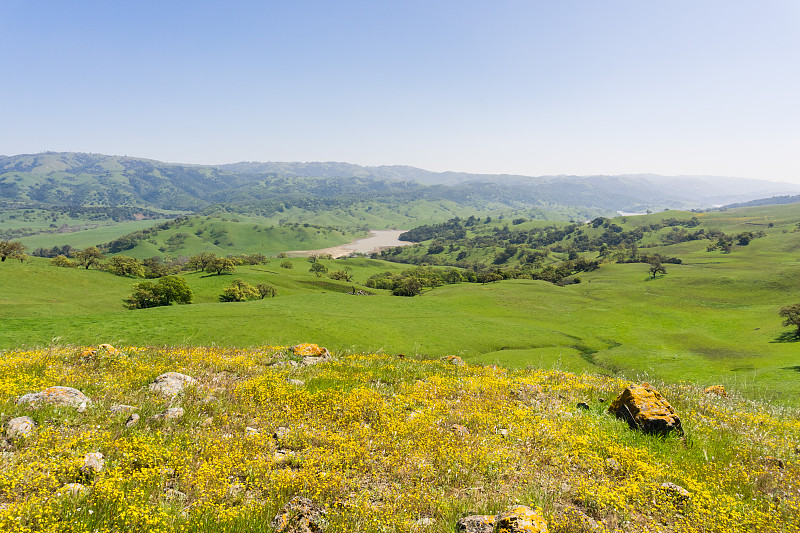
713, 318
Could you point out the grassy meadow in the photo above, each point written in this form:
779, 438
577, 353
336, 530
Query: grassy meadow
382, 443
712, 319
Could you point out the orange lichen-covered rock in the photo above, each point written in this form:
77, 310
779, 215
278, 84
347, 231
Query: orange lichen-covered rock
454, 360
520, 519
644, 408
719, 390
108, 348
310, 350
481, 523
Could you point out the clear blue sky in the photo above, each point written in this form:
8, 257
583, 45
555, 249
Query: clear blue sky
529, 87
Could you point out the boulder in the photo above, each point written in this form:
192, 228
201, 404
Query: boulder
121, 408
480, 523
66, 396
520, 519
74, 489
300, 515
132, 420
678, 493
310, 350
644, 408
21, 426
454, 360
93, 462
719, 390
171, 383
459, 430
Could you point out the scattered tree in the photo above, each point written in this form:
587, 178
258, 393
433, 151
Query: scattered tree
657, 268
286, 264
792, 315
63, 261
266, 290
318, 268
221, 265
165, 291
12, 249
122, 265
89, 256
239, 291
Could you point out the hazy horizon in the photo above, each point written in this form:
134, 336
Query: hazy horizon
527, 88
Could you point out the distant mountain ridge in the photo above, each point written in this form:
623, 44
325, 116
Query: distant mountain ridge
80, 179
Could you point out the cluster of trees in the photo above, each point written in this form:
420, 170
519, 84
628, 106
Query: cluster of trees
166, 291
411, 282
240, 291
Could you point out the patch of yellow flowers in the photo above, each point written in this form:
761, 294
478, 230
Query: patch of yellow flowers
371, 438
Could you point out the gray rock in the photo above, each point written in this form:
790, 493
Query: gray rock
74, 489
300, 515
173, 413
281, 432
171, 383
121, 408
677, 492
295, 382
22, 426
481, 523
175, 495
93, 462
132, 420
66, 396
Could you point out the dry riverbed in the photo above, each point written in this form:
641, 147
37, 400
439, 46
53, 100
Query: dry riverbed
378, 240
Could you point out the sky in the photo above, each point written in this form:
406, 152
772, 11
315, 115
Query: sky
521, 87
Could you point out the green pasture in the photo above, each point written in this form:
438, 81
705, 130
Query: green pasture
713, 319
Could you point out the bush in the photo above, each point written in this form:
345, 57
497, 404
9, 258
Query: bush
165, 291
286, 264
63, 261
239, 291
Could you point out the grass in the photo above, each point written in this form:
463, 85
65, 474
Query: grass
370, 439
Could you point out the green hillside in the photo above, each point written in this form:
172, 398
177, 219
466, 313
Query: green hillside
713, 318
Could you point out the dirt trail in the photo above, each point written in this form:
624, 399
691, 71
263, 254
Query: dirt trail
378, 240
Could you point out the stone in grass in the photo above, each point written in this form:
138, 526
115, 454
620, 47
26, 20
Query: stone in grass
300, 515
459, 430
479, 523
310, 350
121, 408
74, 489
719, 390
132, 420
93, 462
520, 519
644, 408
295, 382
574, 520
66, 396
22, 426
171, 383
173, 413
454, 360
678, 493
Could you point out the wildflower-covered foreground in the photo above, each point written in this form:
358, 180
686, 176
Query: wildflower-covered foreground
383, 443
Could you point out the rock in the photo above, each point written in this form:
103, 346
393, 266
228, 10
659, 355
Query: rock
644, 408
479, 523
66, 396
459, 430
250, 432
503, 433
280, 432
173, 413
613, 465
300, 515
171, 383
773, 462
21, 426
677, 492
108, 348
207, 422
582, 405
424, 523
175, 495
311, 350
282, 457
574, 520
74, 489
719, 390
295, 382
121, 408
132, 420
454, 360
309, 361
521, 519
527, 392
93, 462
235, 490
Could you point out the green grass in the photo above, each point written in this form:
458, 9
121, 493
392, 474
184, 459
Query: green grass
713, 319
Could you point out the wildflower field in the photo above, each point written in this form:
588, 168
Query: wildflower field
381, 441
